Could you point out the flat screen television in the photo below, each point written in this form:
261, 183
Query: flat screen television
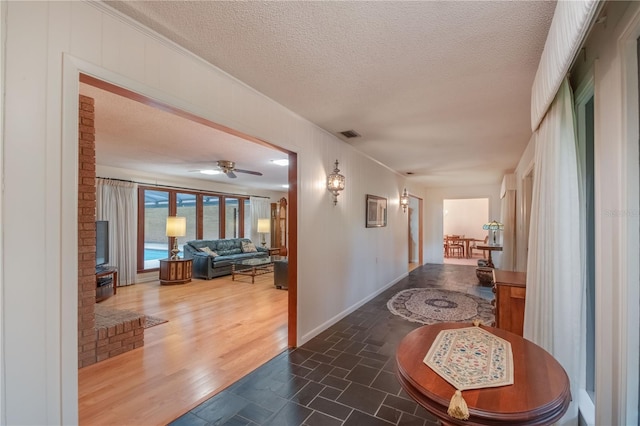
102, 243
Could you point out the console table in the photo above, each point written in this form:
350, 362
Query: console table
177, 271
540, 394
510, 289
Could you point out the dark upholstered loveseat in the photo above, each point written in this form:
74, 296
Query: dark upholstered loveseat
229, 250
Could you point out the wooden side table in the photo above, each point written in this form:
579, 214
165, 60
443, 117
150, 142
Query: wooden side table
489, 248
273, 251
540, 394
175, 271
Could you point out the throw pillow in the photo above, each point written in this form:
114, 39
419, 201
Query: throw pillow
208, 251
248, 247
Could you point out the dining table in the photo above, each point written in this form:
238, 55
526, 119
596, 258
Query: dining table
467, 242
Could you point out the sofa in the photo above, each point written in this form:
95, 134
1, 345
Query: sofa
213, 258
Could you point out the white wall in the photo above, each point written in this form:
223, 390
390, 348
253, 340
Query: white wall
466, 217
47, 45
433, 214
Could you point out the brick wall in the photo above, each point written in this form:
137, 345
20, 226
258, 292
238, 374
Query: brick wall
96, 342
86, 234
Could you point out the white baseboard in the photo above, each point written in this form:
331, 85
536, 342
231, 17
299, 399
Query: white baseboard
322, 327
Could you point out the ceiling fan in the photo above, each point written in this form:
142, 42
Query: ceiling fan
229, 167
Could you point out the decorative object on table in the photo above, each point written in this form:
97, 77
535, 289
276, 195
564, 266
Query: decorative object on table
176, 227
485, 275
264, 227
376, 211
404, 200
495, 227
430, 306
470, 358
335, 183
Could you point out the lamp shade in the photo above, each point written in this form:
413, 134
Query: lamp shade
176, 226
264, 225
493, 226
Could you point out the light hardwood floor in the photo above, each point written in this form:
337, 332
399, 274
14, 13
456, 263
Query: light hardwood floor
218, 331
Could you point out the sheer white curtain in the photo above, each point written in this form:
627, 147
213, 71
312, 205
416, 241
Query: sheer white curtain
116, 202
508, 219
555, 289
260, 209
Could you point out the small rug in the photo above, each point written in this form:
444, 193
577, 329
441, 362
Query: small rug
430, 306
109, 317
151, 321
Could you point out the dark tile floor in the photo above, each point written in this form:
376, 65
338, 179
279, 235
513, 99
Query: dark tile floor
345, 376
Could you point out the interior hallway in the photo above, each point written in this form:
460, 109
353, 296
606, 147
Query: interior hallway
343, 377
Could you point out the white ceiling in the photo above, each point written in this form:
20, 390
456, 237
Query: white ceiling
437, 88
135, 136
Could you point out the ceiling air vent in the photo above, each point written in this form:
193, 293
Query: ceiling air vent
350, 134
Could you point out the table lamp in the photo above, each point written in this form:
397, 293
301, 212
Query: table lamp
493, 226
176, 227
264, 227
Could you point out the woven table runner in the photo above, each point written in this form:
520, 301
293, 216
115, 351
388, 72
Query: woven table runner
470, 358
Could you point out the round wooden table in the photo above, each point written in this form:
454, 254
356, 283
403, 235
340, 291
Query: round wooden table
540, 394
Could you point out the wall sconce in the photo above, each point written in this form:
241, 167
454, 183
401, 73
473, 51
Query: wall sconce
404, 200
335, 183
176, 227
264, 227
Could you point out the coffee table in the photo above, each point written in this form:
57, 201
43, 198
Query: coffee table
253, 267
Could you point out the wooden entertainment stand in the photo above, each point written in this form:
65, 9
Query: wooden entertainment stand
108, 277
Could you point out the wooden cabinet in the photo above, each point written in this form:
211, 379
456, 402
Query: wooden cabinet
175, 271
510, 289
279, 226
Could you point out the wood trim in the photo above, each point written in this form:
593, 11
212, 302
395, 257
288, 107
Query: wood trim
222, 213
420, 231
292, 221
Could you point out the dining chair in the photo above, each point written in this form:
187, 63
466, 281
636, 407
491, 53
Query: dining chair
475, 246
454, 245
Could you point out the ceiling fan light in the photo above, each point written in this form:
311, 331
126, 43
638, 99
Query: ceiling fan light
210, 172
282, 162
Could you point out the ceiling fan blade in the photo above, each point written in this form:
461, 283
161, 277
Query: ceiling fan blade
250, 172
231, 174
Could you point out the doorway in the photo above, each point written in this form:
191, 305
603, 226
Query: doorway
287, 333
415, 233
464, 218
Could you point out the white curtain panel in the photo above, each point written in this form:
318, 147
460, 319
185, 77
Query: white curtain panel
555, 285
571, 21
116, 201
260, 209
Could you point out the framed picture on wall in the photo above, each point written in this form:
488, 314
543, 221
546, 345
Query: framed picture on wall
376, 211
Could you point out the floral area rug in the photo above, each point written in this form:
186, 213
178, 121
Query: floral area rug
430, 306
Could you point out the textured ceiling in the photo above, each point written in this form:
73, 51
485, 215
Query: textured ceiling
440, 89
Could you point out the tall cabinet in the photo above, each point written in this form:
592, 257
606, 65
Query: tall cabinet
279, 226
